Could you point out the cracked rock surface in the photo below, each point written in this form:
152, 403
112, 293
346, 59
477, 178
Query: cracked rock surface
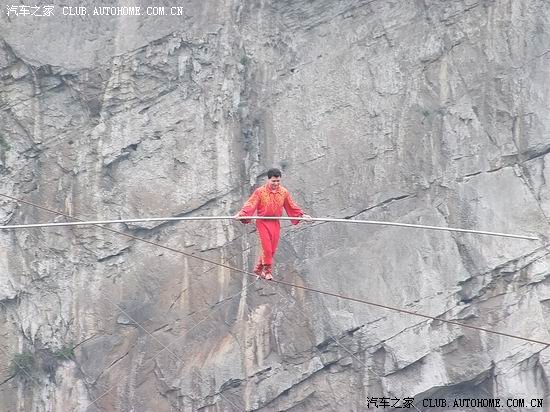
418, 111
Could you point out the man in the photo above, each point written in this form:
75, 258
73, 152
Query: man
269, 200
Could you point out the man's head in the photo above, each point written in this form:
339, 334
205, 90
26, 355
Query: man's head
274, 178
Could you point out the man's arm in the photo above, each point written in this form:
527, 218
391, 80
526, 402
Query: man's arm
293, 210
249, 207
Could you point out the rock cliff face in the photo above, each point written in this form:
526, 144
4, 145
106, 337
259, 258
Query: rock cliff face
420, 111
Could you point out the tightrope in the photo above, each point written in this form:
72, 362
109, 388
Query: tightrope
323, 292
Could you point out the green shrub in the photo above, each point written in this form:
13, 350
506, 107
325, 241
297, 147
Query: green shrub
65, 352
4, 144
23, 365
29, 366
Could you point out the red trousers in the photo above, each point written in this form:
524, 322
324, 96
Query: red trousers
268, 232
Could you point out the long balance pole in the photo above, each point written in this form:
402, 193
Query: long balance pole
315, 219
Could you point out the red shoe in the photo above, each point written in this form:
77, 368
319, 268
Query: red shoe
267, 272
259, 270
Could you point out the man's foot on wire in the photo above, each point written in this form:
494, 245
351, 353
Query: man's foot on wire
267, 272
259, 270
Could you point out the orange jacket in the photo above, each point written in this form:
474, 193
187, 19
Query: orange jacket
268, 202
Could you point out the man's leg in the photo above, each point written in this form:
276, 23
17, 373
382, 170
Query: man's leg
266, 251
274, 231
275, 235
259, 268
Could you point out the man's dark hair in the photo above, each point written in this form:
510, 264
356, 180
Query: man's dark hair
273, 172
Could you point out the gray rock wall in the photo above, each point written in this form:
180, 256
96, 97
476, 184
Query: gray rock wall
420, 111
